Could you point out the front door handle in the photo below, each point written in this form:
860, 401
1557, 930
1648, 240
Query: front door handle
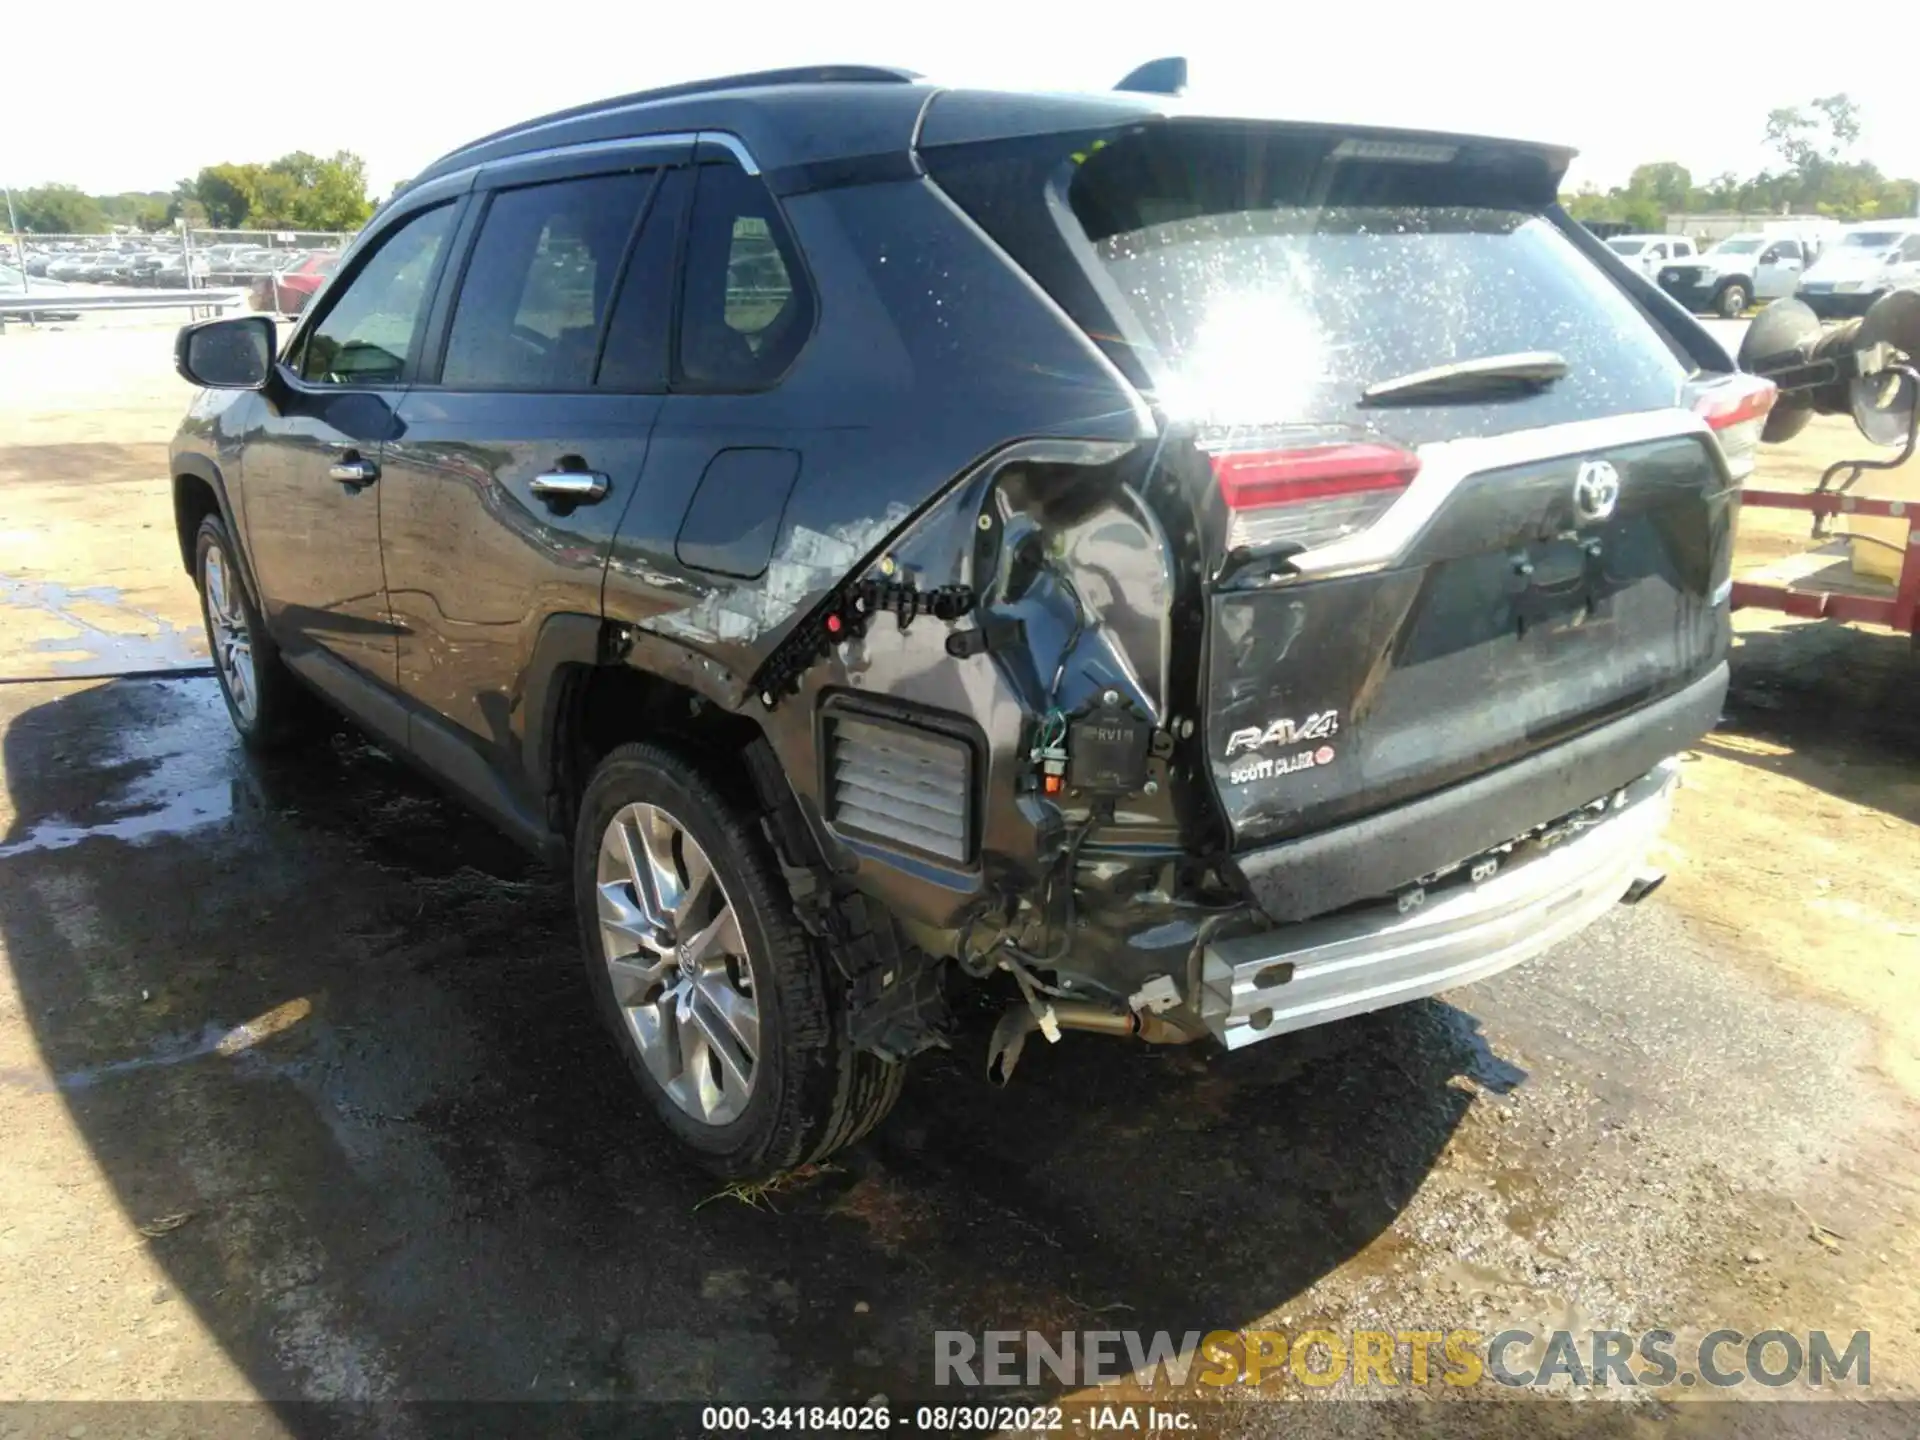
570, 487
353, 472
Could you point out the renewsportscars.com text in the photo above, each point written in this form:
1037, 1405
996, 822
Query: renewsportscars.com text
1517, 1358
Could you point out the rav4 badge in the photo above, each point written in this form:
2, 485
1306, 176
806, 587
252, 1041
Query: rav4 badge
1285, 732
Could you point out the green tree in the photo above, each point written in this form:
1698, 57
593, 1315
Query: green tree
1897, 199
1720, 193
298, 191
1589, 204
1812, 144
227, 194
1664, 183
1645, 216
145, 210
330, 194
58, 210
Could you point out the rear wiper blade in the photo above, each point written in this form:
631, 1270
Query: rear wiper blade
1525, 371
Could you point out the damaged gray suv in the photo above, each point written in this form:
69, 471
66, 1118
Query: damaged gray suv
1201, 576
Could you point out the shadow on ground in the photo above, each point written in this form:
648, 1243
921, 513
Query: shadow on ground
338, 1025
1842, 701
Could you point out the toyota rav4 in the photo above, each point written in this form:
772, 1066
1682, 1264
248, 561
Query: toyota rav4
1203, 576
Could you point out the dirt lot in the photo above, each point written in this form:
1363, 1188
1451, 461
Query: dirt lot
300, 1096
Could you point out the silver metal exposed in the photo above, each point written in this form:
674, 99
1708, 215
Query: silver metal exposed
1257, 986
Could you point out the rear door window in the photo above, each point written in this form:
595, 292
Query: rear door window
639, 336
539, 284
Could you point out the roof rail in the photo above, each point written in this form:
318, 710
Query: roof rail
753, 79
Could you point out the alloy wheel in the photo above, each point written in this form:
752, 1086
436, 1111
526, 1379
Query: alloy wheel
674, 952
227, 633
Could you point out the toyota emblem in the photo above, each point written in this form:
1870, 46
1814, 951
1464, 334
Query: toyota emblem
1596, 489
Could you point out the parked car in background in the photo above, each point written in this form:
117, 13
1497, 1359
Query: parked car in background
1647, 253
1730, 277
894, 537
1867, 261
243, 267
288, 291
71, 266
14, 285
141, 268
170, 273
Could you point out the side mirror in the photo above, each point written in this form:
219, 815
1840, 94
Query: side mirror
232, 354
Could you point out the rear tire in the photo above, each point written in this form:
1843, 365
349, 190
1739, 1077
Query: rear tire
270, 708
1732, 301
727, 1013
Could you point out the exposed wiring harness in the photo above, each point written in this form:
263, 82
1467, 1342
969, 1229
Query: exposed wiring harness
1005, 952
1053, 730
1066, 870
1073, 639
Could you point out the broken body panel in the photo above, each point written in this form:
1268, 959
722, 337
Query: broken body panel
1015, 434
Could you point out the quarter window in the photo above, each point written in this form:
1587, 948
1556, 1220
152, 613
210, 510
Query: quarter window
368, 332
539, 283
745, 312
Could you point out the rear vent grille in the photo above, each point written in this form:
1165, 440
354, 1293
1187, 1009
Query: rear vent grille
901, 784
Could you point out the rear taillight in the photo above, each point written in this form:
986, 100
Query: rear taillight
1309, 495
1736, 410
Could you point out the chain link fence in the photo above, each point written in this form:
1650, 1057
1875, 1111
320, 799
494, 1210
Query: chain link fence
278, 269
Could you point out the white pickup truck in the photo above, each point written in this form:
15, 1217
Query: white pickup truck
1647, 253
1758, 265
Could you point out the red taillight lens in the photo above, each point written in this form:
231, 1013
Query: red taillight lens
1736, 410
1744, 398
1309, 495
1252, 479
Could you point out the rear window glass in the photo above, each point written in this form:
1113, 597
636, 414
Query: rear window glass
1269, 274
1261, 291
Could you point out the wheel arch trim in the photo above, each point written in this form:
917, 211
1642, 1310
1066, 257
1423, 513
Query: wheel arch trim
572, 642
199, 468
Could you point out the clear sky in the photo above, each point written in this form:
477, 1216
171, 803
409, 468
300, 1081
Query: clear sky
403, 81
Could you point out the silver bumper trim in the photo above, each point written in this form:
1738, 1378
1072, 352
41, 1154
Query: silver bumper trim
1258, 986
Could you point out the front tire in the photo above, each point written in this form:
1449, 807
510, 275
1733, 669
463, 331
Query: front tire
268, 706
724, 1009
1732, 301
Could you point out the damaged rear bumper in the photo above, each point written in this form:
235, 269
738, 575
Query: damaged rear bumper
1259, 986
1330, 869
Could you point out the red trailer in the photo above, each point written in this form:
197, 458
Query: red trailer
1868, 369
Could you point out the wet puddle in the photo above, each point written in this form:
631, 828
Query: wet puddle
108, 636
176, 782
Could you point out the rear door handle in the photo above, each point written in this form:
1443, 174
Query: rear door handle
355, 473
576, 487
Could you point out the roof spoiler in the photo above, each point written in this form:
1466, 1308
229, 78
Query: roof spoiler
1166, 76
